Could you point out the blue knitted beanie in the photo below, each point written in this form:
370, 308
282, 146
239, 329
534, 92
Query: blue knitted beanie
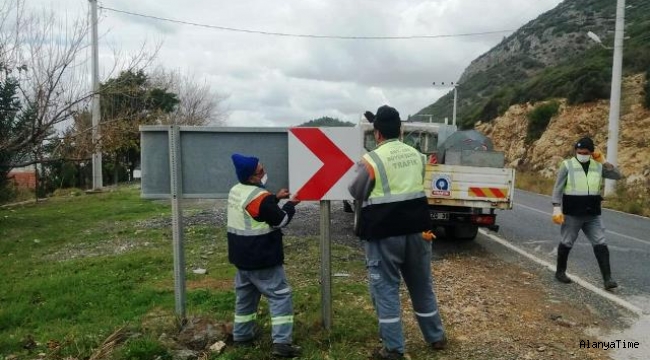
245, 166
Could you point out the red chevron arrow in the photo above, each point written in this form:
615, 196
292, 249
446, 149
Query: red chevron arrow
335, 163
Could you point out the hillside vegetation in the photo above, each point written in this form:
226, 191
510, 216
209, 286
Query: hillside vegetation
325, 121
550, 57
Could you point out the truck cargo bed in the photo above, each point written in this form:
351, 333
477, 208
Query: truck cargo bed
469, 186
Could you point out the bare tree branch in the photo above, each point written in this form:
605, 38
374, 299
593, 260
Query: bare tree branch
199, 104
47, 55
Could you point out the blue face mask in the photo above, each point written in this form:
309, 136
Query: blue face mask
583, 158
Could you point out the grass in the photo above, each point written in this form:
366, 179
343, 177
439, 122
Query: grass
62, 279
533, 182
75, 269
632, 200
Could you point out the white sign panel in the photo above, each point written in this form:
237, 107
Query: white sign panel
322, 161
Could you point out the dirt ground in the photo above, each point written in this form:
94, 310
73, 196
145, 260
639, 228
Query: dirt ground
493, 309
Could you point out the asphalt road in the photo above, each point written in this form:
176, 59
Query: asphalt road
529, 227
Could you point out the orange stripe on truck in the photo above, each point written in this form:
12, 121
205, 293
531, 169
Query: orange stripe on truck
487, 192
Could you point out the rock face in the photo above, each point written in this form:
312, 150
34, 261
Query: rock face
547, 39
508, 133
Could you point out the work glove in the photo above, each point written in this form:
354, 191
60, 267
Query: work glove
598, 156
558, 217
369, 116
428, 235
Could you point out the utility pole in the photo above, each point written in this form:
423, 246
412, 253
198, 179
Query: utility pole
453, 119
97, 153
615, 94
455, 86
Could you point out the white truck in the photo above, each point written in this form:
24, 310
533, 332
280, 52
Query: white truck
465, 184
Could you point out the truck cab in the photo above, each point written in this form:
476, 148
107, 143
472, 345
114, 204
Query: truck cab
423, 136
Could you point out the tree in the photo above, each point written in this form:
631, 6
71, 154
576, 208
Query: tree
12, 125
128, 101
43, 54
47, 82
71, 153
198, 104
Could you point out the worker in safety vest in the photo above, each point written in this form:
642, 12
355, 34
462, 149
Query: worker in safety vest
394, 213
576, 206
255, 248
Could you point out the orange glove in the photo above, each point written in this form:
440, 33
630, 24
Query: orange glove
558, 217
428, 235
598, 156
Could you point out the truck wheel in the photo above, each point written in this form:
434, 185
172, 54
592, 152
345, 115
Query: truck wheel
461, 232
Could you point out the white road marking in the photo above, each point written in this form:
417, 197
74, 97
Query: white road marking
533, 209
627, 237
607, 231
585, 284
535, 242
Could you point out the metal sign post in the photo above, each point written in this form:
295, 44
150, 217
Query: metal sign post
176, 189
325, 264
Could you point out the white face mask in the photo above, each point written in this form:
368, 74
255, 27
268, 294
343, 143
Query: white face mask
264, 179
583, 158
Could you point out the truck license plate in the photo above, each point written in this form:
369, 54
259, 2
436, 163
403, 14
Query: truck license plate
439, 216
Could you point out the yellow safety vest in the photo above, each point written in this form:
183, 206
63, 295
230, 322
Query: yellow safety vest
399, 173
240, 222
581, 184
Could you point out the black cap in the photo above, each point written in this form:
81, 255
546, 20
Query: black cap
585, 143
387, 121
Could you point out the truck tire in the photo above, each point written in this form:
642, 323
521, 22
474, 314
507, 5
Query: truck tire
462, 232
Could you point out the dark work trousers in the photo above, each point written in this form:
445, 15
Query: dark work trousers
410, 257
591, 226
272, 283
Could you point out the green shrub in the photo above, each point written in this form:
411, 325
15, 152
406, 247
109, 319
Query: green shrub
591, 86
13, 194
634, 208
498, 104
538, 119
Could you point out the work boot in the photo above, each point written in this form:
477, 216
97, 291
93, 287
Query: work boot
385, 354
286, 350
440, 344
602, 256
560, 269
250, 342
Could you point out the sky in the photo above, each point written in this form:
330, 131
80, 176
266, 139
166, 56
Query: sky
286, 80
